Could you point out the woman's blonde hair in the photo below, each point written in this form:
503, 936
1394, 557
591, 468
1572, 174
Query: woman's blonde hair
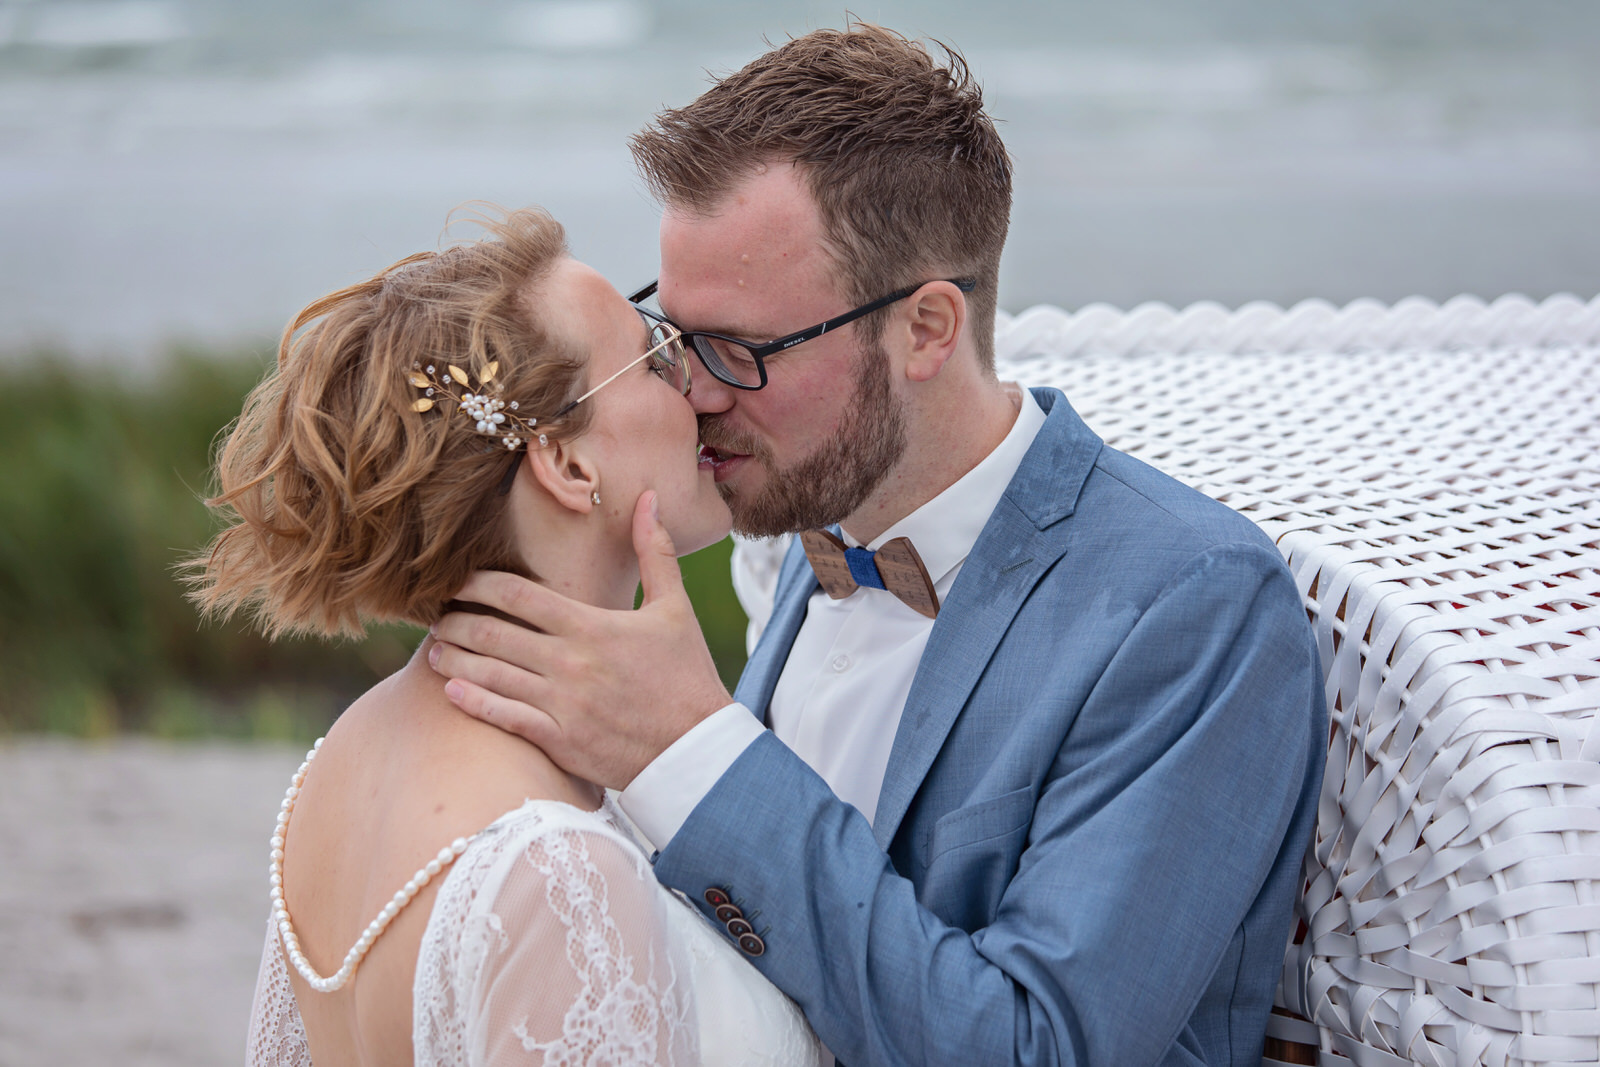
349, 505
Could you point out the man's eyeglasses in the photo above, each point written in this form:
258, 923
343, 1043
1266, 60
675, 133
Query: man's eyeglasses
742, 364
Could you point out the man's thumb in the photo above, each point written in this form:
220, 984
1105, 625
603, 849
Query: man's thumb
658, 557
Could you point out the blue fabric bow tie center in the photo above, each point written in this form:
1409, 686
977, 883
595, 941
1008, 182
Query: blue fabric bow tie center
862, 569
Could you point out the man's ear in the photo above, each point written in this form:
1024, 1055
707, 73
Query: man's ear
935, 317
566, 472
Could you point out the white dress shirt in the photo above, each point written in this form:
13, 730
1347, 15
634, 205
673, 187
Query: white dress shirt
839, 699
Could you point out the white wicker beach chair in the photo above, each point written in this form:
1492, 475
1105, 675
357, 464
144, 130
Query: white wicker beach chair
1432, 475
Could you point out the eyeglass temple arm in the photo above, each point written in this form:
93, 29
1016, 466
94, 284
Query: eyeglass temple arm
965, 285
652, 350
782, 343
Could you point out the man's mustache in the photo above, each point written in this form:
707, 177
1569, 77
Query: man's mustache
715, 435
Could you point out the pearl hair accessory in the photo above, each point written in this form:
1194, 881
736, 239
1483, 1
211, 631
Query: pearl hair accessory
491, 416
358, 951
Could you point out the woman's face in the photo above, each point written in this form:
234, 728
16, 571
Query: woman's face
643, 433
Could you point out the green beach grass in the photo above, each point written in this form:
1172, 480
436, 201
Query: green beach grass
101, 498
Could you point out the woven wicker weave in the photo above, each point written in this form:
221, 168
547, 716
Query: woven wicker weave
1432, 475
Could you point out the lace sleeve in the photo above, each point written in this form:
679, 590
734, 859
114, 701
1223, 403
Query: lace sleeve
560, 956
277, 1038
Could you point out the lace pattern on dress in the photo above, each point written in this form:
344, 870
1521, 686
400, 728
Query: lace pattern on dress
550, 944
277, 1037
545, 885
616, 1017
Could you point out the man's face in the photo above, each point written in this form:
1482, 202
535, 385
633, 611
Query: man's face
810, 448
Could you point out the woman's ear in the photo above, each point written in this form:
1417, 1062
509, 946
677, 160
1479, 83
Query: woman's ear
565, 471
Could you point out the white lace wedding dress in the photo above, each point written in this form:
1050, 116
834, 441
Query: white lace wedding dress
551, 943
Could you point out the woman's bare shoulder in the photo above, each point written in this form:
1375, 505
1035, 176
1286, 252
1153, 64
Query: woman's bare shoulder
403, 748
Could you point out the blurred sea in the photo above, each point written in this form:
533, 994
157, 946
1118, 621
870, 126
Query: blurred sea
196, 170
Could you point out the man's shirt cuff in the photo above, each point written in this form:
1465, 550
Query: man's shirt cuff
660, 797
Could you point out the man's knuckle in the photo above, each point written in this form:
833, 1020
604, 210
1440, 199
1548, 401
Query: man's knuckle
478, 631
518, 601
571, 663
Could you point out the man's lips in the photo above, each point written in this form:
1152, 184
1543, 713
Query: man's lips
721, 464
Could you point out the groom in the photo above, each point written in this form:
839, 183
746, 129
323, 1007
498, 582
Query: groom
1045, 798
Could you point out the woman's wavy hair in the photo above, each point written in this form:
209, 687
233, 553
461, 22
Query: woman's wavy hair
348, 506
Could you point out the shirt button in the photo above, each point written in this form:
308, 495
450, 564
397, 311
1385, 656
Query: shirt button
841, 663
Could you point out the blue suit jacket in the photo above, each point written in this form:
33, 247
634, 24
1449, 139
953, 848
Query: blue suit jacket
1089, 837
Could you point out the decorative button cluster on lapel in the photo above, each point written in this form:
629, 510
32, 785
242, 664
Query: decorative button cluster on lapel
730, 915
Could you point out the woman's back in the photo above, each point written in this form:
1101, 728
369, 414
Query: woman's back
401, 775
547, 940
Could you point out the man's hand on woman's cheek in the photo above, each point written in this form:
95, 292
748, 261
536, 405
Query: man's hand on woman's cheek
602, 692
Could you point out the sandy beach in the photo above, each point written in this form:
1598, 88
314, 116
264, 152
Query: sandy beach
132, 898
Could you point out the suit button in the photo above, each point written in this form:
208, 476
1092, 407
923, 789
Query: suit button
716, 897
752, 945
738, 927
728, 912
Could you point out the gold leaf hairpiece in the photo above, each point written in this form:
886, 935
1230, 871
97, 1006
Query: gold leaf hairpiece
490, 415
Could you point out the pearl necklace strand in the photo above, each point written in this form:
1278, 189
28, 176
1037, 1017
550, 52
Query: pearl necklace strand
358, 951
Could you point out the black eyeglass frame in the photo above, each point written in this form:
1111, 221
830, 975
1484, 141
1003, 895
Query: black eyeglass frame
760, 352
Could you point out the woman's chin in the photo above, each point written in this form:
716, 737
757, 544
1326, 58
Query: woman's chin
712, 524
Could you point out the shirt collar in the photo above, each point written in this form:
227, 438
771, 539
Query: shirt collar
946, 527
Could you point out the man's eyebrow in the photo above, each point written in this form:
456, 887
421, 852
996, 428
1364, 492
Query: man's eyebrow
739, 332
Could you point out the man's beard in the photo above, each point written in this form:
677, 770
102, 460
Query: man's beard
834, 480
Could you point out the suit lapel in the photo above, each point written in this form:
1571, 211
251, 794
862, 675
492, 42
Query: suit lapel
1022, 540
796, 583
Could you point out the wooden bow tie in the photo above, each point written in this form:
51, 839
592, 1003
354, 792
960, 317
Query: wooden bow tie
895, 567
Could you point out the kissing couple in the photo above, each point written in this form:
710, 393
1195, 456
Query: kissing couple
1022, 769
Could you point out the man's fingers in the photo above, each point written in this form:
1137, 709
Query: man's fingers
527, 722
519, 597
659, 574
489, 636
485, 672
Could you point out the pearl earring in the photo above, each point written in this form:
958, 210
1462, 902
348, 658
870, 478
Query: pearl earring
595, 496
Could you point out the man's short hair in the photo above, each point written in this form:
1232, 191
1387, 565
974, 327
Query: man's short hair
910, 177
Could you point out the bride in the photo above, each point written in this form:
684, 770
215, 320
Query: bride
442, 892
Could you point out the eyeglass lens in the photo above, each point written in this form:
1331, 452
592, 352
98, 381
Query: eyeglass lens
731, 362
668, 358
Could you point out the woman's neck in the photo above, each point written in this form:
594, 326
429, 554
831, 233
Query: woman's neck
582, 563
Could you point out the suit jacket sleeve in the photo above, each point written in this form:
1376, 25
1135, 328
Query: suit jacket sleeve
1156, 825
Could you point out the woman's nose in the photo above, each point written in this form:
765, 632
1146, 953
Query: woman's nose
708, 395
